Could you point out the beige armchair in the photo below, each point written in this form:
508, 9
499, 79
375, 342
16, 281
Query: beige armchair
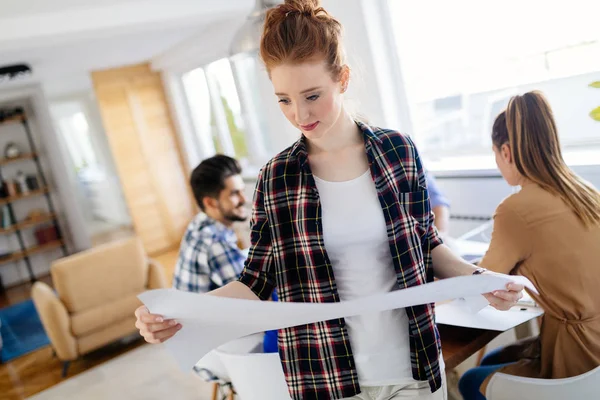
95, 297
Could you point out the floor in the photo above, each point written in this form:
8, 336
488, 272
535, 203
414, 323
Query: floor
146, 373
40, 370
37, 371
20, 293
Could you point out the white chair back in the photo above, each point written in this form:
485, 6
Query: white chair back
510, 387
211, 368
256, 376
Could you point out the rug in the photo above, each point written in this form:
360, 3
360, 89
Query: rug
21, 330
146, 373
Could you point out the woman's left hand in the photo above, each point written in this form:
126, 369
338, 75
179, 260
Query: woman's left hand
505, 299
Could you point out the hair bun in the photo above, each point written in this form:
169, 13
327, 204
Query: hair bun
298, 30
307, 7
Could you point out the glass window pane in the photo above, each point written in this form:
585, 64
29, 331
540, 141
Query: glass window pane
247, 72
221, 72
462, 63
202, 112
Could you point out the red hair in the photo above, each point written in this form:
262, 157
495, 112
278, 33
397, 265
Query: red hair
301, 30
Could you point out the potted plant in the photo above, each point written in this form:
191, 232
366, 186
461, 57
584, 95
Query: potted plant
595, 113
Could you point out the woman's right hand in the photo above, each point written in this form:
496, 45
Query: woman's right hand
154, 328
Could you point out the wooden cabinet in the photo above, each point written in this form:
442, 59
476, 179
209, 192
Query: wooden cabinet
146, 152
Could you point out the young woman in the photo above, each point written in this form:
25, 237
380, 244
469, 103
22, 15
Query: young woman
341, 214
550, 233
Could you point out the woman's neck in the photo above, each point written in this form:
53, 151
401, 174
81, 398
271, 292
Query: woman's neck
343, 134
523, 181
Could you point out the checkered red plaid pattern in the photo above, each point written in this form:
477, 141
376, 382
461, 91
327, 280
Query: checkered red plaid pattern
288, 253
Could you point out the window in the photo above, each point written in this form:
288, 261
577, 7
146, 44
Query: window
202, 113
224, 110
464, 61
77, 137
91, 172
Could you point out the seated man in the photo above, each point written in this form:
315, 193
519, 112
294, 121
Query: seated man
209, 256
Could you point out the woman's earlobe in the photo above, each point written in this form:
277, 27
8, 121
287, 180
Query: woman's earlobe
345, 78
506, 153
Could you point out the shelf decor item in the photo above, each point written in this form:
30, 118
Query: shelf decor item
46, 234
21, 180
11, 188
11, 151
6, 217
3, 190
42, 221
32, 182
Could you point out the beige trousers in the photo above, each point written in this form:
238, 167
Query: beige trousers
418, 391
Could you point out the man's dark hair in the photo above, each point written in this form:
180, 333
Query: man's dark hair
208, 178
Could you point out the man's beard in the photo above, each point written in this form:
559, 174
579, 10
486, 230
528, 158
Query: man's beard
231, 216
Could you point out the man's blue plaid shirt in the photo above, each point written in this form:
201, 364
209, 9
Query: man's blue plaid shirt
208, 257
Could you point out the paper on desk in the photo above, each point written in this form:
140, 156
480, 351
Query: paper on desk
209, 321
489, 318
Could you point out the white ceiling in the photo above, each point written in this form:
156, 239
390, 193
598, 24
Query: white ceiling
62, 38
16, 8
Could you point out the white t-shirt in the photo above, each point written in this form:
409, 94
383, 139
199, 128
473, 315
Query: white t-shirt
355, 236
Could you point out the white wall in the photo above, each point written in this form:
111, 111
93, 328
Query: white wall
369, 91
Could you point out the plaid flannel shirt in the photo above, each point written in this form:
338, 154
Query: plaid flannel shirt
208, 256
288, 252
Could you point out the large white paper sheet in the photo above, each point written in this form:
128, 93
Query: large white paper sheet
454, 313
477, 303
209, 321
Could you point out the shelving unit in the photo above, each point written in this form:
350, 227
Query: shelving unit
18, 227
22, 157
33, 193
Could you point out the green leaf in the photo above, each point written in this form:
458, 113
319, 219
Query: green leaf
595, 114
595, 84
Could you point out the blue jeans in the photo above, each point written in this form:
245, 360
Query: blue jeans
472, 379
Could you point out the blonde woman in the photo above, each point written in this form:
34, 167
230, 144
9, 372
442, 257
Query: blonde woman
550, 233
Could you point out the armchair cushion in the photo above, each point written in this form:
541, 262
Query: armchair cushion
108, 334
101, 275
93, 319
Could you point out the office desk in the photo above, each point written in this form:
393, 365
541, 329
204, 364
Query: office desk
464, 334
459, 343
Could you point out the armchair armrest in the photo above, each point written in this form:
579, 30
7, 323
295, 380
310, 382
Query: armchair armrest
156, 275
56, 321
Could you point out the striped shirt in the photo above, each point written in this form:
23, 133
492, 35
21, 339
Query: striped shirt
208, 256
288, 252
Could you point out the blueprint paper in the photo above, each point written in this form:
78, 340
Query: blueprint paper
477, 303
488, 318
209, 321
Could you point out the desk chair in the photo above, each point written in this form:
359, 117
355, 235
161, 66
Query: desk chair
510, 387
212, 369
256, 376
